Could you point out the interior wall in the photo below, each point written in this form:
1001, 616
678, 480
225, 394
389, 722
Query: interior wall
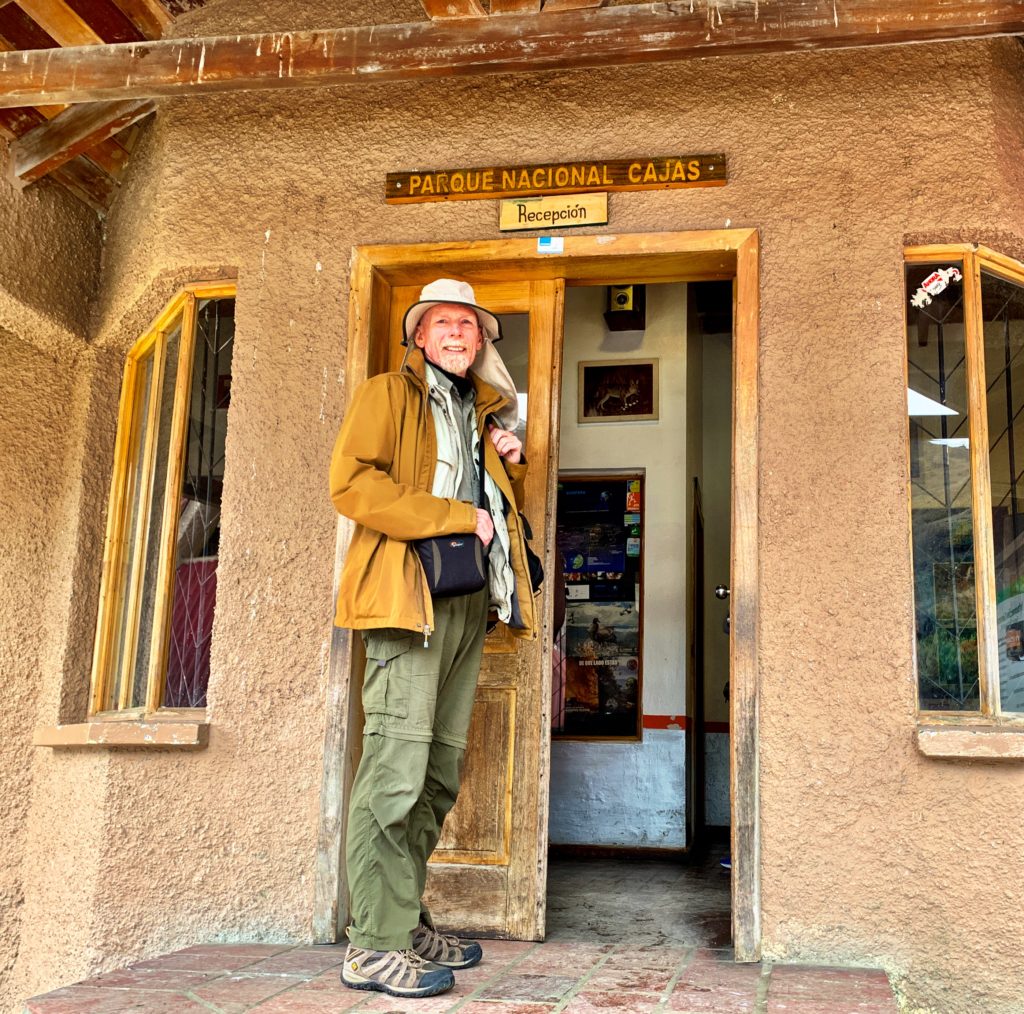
281, 186
634, 793
716, 436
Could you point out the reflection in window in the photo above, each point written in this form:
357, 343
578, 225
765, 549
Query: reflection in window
195, 572
160, 559
1002, 304
940, 473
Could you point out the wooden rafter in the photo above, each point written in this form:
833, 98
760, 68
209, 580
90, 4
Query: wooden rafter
60, 22
149, 16
454, 8
70, 134
581, 38
550, 6
515, 6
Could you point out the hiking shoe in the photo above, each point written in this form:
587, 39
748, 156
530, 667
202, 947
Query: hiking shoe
400, 973
447, 951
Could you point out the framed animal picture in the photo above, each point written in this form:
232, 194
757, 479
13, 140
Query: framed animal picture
618, 390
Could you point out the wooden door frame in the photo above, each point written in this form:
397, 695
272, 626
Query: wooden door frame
585, 260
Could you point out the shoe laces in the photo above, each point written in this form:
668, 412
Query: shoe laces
440, 945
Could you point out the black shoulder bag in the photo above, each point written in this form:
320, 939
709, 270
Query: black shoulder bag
455, 564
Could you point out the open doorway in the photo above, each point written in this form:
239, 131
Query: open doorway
490, 877
640, 804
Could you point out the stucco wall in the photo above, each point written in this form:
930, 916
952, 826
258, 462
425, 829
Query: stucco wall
39, 427
49, 263
836, 158
49, 266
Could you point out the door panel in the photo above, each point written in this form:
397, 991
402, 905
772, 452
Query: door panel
489, 872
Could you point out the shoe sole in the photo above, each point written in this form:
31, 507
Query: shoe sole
454, 967
380, 987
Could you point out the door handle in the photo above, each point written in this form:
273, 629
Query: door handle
721, 592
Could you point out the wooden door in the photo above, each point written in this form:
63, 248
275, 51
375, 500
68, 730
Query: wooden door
488, 874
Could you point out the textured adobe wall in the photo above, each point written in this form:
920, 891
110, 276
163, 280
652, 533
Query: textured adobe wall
40, 423
49, 266
836, 158
49, 262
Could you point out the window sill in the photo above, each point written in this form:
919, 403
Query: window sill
971, 742
154, 734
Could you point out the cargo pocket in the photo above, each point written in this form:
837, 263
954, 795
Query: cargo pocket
382, 693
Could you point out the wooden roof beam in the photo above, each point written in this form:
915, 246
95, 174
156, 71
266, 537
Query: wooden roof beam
60, 22
515, 6
70, 134
149, 16
571, 5
454, 9
441, 48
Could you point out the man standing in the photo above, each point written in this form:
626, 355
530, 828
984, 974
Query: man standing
406, 467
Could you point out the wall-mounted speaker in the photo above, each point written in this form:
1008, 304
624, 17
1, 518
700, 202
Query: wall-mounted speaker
627, 308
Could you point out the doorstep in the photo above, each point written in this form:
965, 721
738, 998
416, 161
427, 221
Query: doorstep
514, 978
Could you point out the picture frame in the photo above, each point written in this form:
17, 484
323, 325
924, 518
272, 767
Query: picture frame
617, 390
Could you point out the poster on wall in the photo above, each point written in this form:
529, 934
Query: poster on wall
598, 679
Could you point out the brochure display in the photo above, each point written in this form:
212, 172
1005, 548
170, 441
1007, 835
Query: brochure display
598, 655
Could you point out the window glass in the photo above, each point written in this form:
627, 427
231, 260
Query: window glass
151, 550
940, 473
199, 505
129, 555
1002, 305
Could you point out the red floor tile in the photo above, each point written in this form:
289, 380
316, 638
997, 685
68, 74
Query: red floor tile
636, 980
326, 982
381, 1003
696, 999
303, 961
810, 1005
305, 1002
150, 978
244, 989
602, 1003
505, 1007
220, 958
92, 1000
505, 948
531, 988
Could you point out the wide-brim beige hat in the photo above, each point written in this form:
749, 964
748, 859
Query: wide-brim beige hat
488, 365
449, 290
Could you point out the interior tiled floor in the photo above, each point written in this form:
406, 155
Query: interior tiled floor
633, 936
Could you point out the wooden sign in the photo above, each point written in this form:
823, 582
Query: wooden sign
557, 212
664, 173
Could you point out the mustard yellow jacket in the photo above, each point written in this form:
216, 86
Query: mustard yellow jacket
382, 471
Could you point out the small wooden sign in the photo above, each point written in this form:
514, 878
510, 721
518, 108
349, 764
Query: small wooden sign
666, 172
557, 212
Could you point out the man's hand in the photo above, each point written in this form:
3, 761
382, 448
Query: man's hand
507, 444
484, 526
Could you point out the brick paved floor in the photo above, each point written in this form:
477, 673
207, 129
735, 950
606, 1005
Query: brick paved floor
675, 916
514, 978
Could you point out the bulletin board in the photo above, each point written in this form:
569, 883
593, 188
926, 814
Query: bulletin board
599, 671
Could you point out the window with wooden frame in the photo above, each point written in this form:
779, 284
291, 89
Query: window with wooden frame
965, 391
153, 632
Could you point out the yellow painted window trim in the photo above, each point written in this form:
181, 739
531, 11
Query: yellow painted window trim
183, 307
964, 733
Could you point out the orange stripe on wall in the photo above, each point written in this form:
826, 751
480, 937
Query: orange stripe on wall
666, 721
680, 722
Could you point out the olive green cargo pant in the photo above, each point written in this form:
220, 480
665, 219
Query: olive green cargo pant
418, 702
